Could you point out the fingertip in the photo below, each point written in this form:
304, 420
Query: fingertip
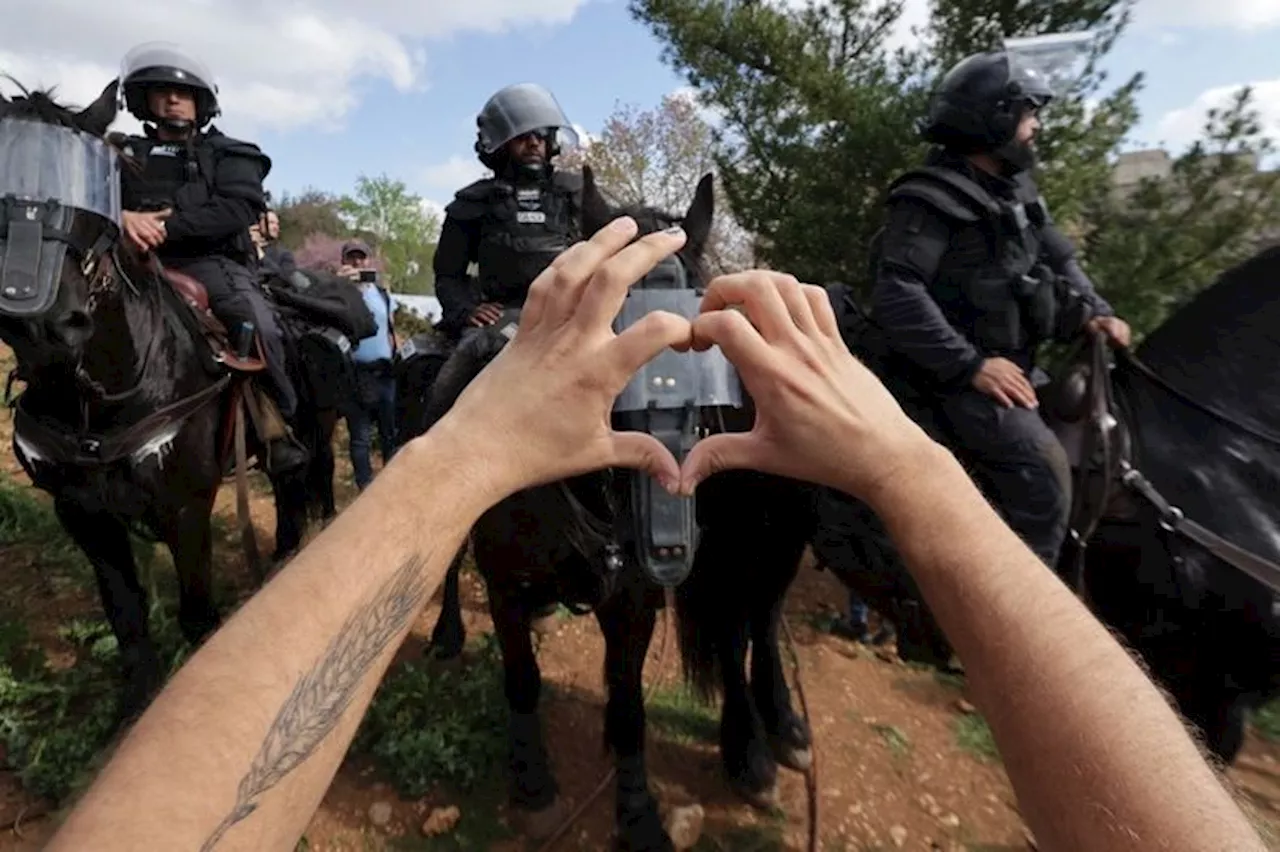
623, 225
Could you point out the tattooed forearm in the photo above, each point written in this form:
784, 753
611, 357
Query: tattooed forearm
323, 694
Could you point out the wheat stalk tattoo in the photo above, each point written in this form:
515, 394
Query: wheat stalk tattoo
323, 694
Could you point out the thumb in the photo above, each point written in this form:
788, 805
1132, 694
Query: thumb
645, 453
715, 454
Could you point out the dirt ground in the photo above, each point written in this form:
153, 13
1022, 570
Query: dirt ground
895, 756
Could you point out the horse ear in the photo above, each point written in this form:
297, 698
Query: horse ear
697, 220
97, 116
595, 210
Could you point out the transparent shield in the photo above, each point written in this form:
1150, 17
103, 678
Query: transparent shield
43, 162
1054, 60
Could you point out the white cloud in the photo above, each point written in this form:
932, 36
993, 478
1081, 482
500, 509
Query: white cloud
277, 65
1181, 127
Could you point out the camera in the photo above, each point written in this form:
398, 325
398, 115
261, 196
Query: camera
368, 276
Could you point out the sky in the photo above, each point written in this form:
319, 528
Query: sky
332, 89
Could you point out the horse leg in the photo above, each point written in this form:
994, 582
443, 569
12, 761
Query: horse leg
627, 624
744, 748
789, 736
322, 466
291, 512
189, 535
105, 541
450, 634
532, 789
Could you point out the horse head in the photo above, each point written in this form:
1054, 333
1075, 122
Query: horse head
59, 222
598, 212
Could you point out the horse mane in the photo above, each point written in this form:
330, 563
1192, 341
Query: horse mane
1214, 347
38, 105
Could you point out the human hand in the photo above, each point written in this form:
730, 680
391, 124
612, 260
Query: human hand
1004, 381
540, 411
351, 273
1116, 330
145, 230
821, 416
485, 314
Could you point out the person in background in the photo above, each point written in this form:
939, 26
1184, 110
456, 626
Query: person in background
375, 402
273, 259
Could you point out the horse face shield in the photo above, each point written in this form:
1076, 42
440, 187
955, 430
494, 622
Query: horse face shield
667, 398
59, 190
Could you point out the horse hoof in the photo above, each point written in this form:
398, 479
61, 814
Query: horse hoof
764, 800
539, 825
799, 759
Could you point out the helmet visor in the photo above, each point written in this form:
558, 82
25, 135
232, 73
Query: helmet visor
1045, 66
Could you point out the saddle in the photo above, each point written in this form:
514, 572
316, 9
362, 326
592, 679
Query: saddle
193, 294
1079, 407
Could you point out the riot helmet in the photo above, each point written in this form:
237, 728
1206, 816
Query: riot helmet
979, 104
159, 63
517, 110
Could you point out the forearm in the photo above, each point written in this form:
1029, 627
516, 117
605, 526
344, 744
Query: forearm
264, 712
1082, 730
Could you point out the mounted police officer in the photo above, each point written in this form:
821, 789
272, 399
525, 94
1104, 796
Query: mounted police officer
973, 275
194, 200
512, 225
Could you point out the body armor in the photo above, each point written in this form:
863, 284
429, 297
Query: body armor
180, 175
523, 227
992, 285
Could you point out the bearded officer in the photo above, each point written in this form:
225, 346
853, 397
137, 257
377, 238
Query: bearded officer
973, 276
511, 225
194, 200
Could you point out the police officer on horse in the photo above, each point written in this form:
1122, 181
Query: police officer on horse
511, 225
973, 275
193, 200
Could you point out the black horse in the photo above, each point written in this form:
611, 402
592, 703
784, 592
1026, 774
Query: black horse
1198, 446
556, 544
1191, 424
127, 415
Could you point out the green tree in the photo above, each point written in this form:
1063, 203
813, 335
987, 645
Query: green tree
310, 212
404, 231
819, 113
656, 157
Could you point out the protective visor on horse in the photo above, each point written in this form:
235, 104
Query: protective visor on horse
52, 179
666, 398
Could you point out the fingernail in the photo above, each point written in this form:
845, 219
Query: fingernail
622, 223
671, 484
674, 230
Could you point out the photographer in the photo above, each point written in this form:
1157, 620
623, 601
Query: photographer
375, 399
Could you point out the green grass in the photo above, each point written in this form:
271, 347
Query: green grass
974, 736
432, 724
1266, 721
679, 715
895, 739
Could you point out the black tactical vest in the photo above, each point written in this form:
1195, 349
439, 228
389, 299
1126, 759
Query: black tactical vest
175, 175
991, 284
523, 227
164, 168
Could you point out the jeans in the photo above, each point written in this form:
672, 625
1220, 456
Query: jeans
360, 422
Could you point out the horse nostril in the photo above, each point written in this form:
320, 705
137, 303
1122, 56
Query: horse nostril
73, 327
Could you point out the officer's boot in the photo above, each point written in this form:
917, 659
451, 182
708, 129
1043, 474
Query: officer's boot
284, 452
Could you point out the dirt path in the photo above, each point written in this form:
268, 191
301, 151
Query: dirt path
900, 764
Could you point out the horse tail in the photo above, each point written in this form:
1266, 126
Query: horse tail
712, 603
701, 618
